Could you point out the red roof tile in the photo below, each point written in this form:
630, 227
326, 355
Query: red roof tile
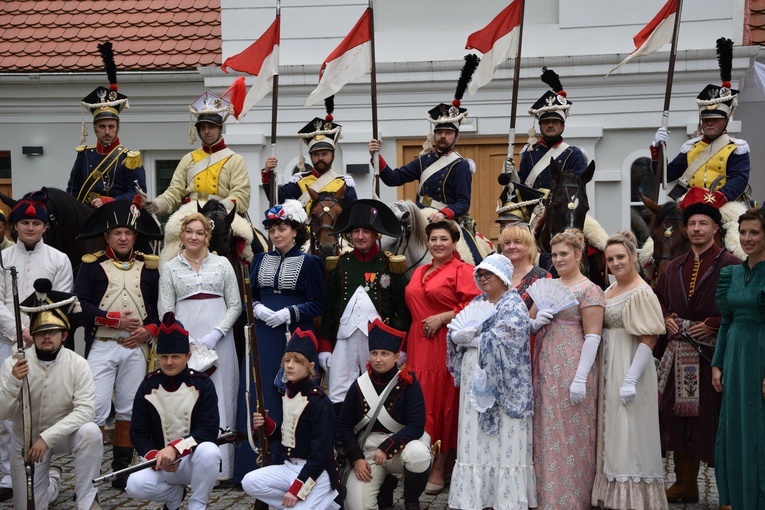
148, 35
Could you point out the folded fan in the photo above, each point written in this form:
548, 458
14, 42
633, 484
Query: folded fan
473, 315
552, 294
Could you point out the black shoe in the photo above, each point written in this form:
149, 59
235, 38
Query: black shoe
414, 485
385, 496
6, 493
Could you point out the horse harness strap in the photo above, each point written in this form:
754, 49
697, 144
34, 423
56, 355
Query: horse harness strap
99, 171
544, 162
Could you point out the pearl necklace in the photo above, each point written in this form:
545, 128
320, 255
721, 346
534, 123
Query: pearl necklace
195, 261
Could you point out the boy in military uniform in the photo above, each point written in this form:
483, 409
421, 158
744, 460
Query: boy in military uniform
107, 170
362, 285
391, 444
175, 420
118, 290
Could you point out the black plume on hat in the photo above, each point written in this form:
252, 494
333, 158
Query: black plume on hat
107, 55
725, 59
551, 79
471, 64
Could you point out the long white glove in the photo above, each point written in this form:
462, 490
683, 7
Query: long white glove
278, 318
543, 318
210, 339
643, 356
662, 135
262, 312
578, 388
325, 360
401, 359
464, 336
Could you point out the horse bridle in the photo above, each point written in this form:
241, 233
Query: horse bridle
668, 235
326, 210
571, 207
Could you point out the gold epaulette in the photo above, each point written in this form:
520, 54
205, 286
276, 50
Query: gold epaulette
330, 263
80, 148
89, 258
397, 263
133, 160
150, 261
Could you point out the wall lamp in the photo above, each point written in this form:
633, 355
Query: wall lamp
32, 151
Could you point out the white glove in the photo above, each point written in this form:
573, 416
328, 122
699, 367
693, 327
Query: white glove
349, 182
262, 312
325, 360
150, 207
296, 177
278, 318
464, 336
543, 318
210, 339
628, 390
662, 135
401, 359
578, 388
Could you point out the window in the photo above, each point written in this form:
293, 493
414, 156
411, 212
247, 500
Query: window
163, 173
642, 182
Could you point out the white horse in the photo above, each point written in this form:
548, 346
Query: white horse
414, 243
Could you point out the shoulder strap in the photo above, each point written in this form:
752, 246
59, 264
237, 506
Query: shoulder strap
440, 163
377, 408
97, 172
544, 162
704, 157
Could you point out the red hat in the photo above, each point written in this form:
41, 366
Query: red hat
702, 201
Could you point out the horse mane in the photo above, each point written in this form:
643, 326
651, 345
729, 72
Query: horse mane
418, 237
666, 210
66, 215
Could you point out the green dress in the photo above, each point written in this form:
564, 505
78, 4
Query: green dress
740, 354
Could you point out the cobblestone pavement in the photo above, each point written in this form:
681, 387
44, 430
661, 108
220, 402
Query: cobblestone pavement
235, 498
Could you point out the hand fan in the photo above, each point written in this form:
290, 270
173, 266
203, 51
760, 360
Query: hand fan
549, 293
473, 315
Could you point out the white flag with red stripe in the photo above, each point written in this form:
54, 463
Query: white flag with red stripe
498, 41
655, 34
353, 58
260, 59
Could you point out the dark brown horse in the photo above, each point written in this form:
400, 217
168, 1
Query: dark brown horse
566, 206
324, 209
668, 235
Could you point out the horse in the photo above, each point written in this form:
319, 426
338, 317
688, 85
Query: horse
566, 206
324, 208
66, 215
414, 242
669, 238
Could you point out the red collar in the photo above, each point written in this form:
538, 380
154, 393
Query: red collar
217, 146
101, 149
368, 255
110, 253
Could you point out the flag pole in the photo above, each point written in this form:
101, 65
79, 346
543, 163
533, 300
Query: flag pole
510, 163
373, 91
272, 196
661, 164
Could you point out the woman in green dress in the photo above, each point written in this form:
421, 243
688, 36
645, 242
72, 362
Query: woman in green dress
738, 371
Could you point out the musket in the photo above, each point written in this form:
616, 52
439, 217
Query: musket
264, 455
227, 436
26, 395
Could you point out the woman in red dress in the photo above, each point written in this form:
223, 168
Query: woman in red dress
436, 293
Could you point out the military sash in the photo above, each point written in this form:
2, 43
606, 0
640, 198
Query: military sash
317, 185
377, 405
442, 162
204, 163
703, 158
98, 172
544, 162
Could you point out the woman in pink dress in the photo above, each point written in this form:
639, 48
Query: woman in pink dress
566, 384
435, 294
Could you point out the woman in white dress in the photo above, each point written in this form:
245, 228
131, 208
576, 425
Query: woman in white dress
629, 472
201, 288
494, 465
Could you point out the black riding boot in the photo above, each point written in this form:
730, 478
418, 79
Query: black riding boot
385, 496
414, 486
123, 457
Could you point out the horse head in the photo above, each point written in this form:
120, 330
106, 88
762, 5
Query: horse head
668, 233
222, 239
567, 202
324, 209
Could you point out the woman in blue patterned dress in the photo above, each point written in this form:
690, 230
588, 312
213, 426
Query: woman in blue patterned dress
287, 293
492, 366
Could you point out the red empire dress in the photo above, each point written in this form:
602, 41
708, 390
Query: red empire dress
450, 287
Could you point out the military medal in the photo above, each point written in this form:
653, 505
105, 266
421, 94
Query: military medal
369, 278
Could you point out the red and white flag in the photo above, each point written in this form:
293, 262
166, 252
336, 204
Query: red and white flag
498, 41
655, 34
260, 59
353, 58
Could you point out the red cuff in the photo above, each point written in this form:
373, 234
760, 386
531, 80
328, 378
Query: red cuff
106, 200
654, 153
295, 488
151, 455
270, 426
325, 345
174, 444
447, 212
265, 176
152, 329
383, 163
112, 320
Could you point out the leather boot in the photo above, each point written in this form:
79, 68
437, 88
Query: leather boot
385, 496
122, 451
414, 485
686, 487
